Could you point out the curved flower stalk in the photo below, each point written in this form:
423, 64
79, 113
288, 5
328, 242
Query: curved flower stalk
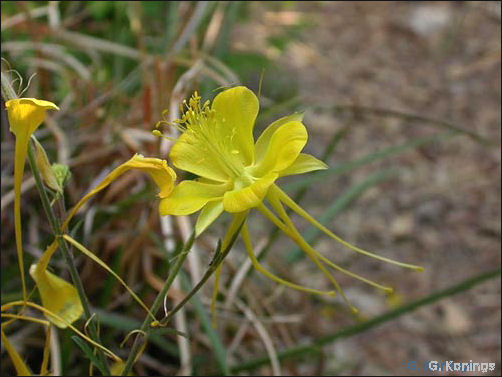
25, 116
21, 368
61, 297
50, 314
237, 174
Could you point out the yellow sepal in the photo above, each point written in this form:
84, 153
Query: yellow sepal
190, 196
58, 296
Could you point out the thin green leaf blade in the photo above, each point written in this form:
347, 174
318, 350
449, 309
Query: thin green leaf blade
89, 353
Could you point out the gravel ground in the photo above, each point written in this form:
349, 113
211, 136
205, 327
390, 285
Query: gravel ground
442, 209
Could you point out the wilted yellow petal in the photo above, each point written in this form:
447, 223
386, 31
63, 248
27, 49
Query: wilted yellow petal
235, 111
209, 213
283, 148
58, 296
190, 196
304, 163
158, 169
248, 197
21, 368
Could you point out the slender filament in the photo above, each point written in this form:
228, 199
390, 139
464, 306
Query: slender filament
249, 249
300, 211
296, 237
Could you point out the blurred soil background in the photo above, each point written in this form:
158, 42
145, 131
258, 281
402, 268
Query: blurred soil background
349, 65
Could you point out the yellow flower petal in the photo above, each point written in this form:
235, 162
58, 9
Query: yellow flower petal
58, 296
236, 110
189, 153
283, 148
304, 163
264, 139
249, 196
209, 213
190, 196
26, 114
158, 169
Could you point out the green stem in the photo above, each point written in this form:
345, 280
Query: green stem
56, 229
315, 346
146, 326
219, 256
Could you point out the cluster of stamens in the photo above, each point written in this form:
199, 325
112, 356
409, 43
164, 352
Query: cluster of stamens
194, 117
198, 121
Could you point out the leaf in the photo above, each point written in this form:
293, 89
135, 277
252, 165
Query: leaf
89, 353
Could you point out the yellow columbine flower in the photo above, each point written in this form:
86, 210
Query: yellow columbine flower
25, 116
237, 174
217, 144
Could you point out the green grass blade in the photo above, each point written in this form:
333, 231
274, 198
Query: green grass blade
367, 159
218, 348
110, 283
348, 331
89, 353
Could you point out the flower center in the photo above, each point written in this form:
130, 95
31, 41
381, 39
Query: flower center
244, 179
199, 123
